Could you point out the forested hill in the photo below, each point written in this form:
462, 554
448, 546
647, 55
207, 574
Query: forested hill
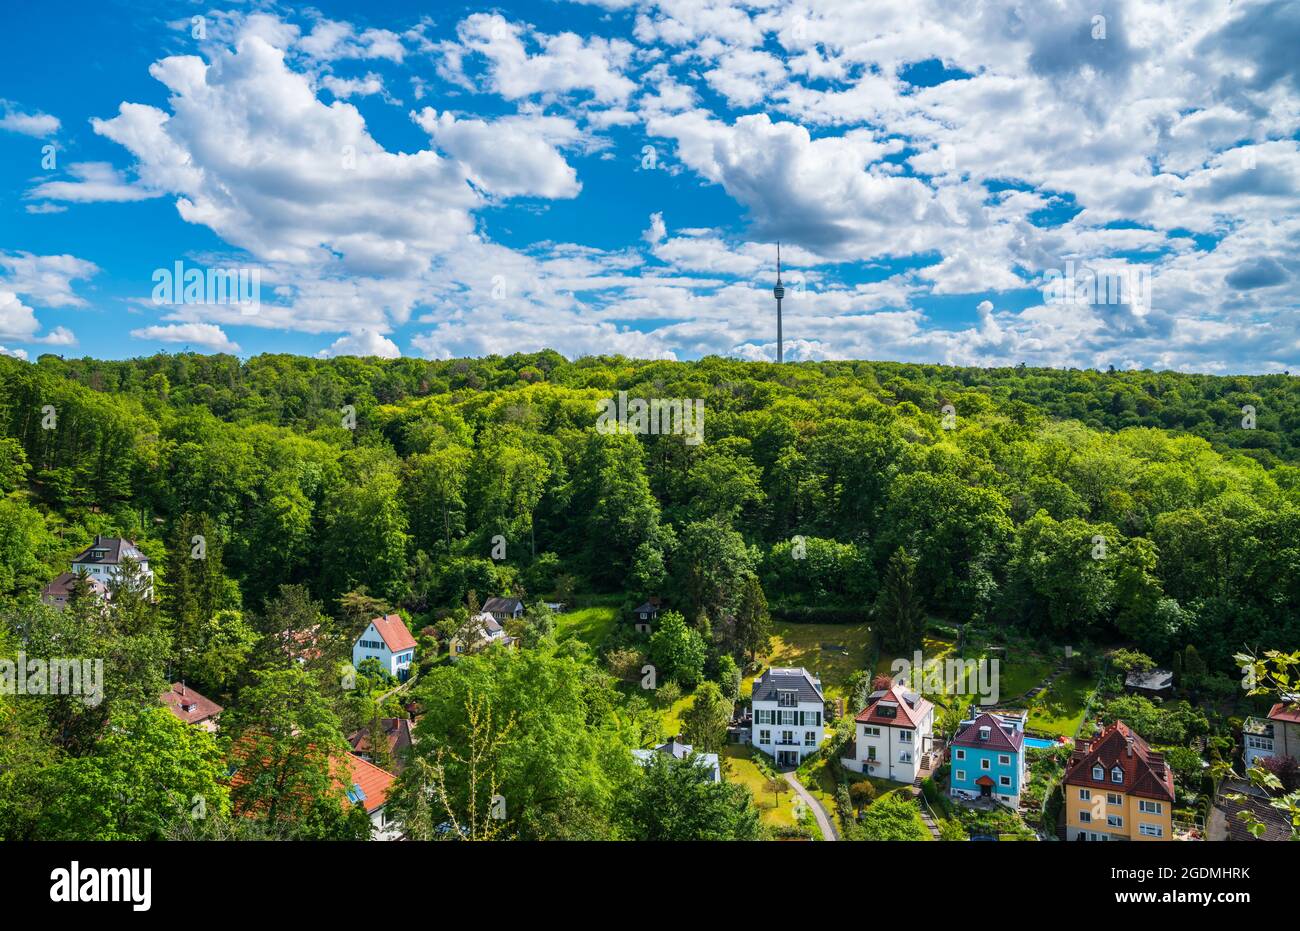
397, 475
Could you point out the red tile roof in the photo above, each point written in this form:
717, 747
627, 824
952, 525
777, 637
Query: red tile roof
347, 769
373, 782
393, 630
189, 705
1145, 772
905, 716
1285, 712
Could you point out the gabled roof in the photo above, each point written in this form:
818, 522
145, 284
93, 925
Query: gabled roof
372, 782
778, 679
1145, 772
998, 738
647, 608
1225, 824
356, 780
502, 605
910, 708
397, 732
393, 629
189, 705
108, 551
1286, 710
61, 586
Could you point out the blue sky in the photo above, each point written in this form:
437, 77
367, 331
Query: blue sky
611, 176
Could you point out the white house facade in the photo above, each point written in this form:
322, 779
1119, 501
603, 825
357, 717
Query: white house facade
101, 564
891, 735
388, 640
789, 710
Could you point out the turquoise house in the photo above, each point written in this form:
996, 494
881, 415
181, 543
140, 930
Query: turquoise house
987, 758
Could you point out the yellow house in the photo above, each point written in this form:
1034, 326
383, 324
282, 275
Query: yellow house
1117, 788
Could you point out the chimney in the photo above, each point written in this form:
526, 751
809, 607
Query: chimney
1128, 740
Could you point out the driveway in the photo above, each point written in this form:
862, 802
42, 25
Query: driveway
823, 819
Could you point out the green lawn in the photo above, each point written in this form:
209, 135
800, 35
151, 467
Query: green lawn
775, 810
801, 645
590, 625
1059, 710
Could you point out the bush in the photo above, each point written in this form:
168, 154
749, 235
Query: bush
862, 793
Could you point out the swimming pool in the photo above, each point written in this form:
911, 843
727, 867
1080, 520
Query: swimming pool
1038, 743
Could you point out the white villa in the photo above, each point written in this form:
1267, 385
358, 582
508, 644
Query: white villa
789, 708
101, 564
892, 735
387, 640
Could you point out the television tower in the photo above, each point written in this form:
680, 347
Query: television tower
779, 293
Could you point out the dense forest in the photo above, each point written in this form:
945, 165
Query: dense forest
1154, 510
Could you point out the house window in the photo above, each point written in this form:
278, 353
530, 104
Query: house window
1004, 780
765, 737
984, 763
1085, 817
787, 737
1258, 743
1114, 799
787, 699
1004, 760
1098, 772
788, 717
870, 732
1150, 808
1117, 775
1151, 830
1115, 821
960, 775
810, 738
905, 737
904, 756
762, 716
1085, 795
961, 754
871, 753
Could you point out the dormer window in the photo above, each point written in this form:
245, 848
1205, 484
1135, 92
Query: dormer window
984, 733
1098, 772
1116, 774
787, 699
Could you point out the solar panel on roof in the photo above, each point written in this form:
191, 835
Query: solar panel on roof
355, 794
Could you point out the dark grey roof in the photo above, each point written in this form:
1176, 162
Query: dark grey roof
108, 551
647, 608
1154, 680
502, 605
779, 679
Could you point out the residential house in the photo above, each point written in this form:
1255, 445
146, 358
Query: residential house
1276, 735
644, 616
988, 758
1236, 796
57, 593
482, 631
681, 751
387, 640
101, 564
891, 735
1117, 788
370, 788
1153, 683
357, 781
103, 559
396, 733
191, 707
788, 707
503, 609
